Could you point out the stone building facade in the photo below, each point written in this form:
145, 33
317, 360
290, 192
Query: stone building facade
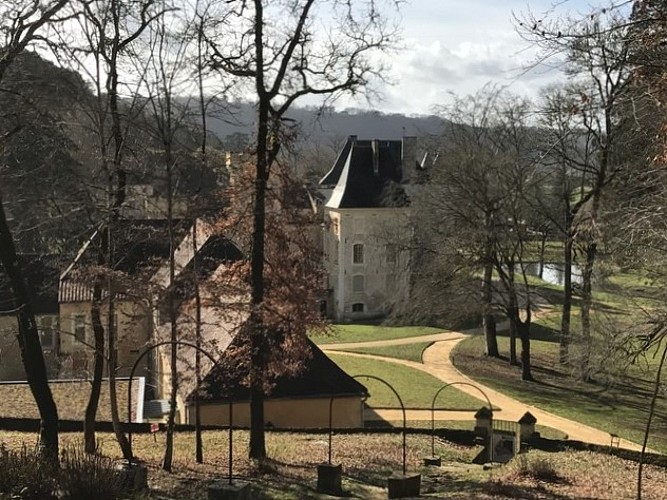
366, 226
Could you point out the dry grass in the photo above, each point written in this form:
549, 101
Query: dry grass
368, 459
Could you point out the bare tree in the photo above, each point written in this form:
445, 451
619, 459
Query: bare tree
163, 64
475, 212
586, 135
23, 24
108, 29
461, 204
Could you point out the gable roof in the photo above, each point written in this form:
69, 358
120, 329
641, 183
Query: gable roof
332, 177
321, 377
367, 174
138, 244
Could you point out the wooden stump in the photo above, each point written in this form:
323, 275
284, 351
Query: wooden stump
432, 461
222, 490
329, 479
400, 486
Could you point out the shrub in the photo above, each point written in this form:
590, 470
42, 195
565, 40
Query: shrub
84, 475
537, 468
24, 472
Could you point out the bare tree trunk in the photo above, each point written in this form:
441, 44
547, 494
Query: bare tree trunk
169, 448
199, 447
564, 339
90, 444
523, 328
31, 349
654, 399
113, 396
586, 306
199, 451
257, 438
488, 322
543, 244
513, 316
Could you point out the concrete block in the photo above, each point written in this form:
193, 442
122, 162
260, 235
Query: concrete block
400, 486
329, 479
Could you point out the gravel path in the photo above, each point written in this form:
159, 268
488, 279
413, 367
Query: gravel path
437, 362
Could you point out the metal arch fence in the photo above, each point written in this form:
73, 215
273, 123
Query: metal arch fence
151, 348
400, 401
488, 401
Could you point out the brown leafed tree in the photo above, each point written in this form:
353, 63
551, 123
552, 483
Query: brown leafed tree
294, 278
281, 51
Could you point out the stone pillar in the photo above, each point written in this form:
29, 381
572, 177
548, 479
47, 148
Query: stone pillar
527, 423
483, 421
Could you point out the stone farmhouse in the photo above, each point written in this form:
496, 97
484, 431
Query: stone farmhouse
42, 283
141, 276
363, 204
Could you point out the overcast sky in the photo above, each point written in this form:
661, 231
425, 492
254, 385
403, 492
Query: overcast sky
460, 45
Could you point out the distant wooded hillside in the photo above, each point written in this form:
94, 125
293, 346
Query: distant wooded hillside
234, 123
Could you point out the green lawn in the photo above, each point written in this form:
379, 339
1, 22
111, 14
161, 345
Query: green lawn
409, 352
621, 408
415, 387
365, 333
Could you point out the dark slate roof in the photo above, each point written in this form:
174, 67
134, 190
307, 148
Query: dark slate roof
320, 378
332, 177
368, 176
40, 273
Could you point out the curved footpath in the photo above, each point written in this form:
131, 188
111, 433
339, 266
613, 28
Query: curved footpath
437, 362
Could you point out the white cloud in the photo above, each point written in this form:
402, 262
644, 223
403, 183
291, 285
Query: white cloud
459, 46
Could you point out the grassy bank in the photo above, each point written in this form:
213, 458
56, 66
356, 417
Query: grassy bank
368, 333
408, 352
415, 387
621, 408
367, 461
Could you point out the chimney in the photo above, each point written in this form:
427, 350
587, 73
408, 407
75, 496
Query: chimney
375, 145
409, 159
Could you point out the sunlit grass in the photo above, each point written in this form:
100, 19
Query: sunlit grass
366, 333
621, 408
409, 352
415, 387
